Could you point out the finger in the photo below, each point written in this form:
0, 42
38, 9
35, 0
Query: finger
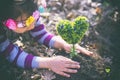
69, 61
72, 62
63, 74
78, 51
70, 71
86, 52
67, 51
72, 66
83, 50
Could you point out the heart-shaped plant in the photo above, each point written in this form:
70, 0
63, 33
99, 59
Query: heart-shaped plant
73, 32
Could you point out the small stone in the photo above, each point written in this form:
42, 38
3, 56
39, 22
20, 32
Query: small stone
35, 77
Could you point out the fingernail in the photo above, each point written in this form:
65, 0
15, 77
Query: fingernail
76, 71
78, 51
79, 66
77, 63
68, 75
91, 53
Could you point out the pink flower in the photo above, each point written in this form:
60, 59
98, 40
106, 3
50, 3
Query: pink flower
36, 14
11, 24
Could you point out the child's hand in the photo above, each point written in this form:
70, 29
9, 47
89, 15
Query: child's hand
62, 44
63, 66
79, 49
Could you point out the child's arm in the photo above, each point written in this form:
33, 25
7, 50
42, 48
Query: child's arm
16, 55
42, 36
58, 64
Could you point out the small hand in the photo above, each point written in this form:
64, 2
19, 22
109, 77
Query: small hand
79, 49
63, 66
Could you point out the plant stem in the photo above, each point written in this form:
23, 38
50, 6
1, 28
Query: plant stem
73, 52
73, 48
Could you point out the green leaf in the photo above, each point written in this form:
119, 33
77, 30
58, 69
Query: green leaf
73, 32
107, 70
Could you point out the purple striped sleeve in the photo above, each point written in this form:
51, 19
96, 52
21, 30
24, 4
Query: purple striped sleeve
40, 36
47, 40
28, 61
8, 50
17, 56
15, 60
40, 27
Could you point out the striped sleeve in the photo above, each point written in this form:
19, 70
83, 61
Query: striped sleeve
40, 34
16, 55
